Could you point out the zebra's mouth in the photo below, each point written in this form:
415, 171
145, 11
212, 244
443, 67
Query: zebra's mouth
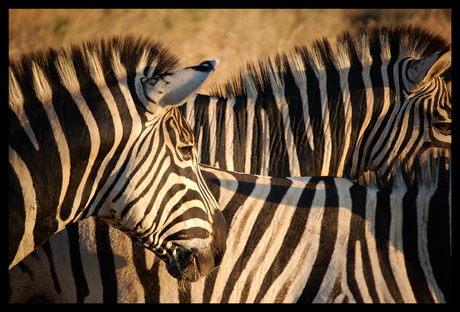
184, 265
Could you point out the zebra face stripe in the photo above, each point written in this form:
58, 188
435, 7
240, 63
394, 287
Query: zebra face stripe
94, 135
161, 202
421, 117
426, 119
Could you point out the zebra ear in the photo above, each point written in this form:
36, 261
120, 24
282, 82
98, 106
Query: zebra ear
423, 71
175, 86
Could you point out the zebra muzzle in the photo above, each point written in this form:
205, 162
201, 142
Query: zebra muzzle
183, 265
193, 263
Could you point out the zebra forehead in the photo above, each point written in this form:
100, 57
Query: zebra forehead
382, 43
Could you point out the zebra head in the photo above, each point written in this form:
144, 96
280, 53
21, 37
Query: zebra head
162, 201
95, 131
422, 114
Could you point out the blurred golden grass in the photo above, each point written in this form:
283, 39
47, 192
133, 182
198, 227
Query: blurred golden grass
231, 35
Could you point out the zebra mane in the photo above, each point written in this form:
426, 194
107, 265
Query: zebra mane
426, 173
93, 61
367, 47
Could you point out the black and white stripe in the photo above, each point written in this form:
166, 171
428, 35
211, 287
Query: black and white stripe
379, 97
312, 239
94, 131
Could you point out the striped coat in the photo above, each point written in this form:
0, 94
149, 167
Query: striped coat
94, 131
312, 239
378, 97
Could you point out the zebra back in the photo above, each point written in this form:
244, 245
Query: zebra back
310, 239
324, 111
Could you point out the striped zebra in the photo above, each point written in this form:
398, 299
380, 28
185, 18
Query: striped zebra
94, 131
312, 239
380, 96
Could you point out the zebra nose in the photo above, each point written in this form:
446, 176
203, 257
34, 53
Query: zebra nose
191, 264
183, 265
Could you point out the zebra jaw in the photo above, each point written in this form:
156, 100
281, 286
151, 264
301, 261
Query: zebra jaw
175, 86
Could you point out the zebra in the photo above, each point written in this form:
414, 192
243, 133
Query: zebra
310, 239
382, 95
94, 130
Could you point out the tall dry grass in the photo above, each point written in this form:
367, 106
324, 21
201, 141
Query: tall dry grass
231, 35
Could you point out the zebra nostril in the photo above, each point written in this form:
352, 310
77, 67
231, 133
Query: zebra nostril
183, 265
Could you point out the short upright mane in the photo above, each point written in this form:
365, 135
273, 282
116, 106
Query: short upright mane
133, 53
367, 47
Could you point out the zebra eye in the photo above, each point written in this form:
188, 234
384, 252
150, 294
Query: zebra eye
443, 127
186, 151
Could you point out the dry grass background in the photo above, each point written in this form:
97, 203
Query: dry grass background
194, 35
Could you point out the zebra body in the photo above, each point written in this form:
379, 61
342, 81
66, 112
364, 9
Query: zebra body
381, 97
311, 239
95, 131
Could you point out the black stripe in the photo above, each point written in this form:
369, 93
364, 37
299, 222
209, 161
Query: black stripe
81, 285
314, 108
140, 107
357, 233
189, 233
239, 134
106, 263
414, 270
386, 119
298, 128
336, 111
439, 238
190, 213
412, 125
149, 278
265, 216
78, 141
139, 164
258, 139
120, 173
328, 236
358, 102
279, 159
290, 241
382, 239
49, 254
389, 149
202, 125
378, 103
220, 135
127, 123
161, 184
410, 244
246, 184
44, 165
